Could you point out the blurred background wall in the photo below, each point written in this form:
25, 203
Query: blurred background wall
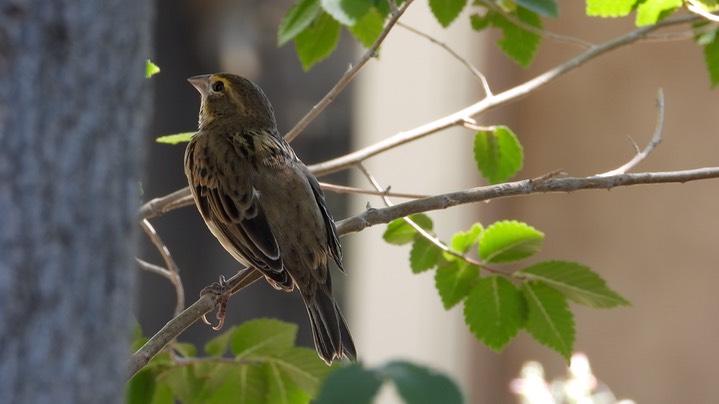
655, 244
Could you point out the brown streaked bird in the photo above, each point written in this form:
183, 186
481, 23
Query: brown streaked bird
263, 204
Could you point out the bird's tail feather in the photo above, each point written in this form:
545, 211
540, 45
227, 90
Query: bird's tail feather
329, 329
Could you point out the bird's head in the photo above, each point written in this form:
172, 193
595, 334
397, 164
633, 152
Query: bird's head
228, 98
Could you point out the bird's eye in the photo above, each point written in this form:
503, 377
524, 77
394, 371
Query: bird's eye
218, 86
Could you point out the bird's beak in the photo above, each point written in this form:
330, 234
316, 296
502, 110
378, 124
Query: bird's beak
201, 83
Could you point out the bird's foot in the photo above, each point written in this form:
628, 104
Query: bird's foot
221, 292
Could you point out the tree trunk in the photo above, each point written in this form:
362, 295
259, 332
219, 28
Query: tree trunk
73, 108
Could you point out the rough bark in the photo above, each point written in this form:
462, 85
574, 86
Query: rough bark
73, 108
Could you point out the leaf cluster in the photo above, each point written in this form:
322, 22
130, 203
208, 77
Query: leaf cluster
498, 303
256, 362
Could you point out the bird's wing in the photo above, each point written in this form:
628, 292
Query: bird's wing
332, 239
228, 202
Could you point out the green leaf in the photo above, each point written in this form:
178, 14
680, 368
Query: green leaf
368, 28
141, 387
239, 384
446, 11
185, 385
463, 241
175, 138
185, 349
218, 345
518, 43
298, 17
424, 255
549, 320
400, 232
263, 337
494, 311
498, 154
280, 388
548, 8
347, 12
650, 12
711, 55
420, 385
317, 41
613, 8
304, 368
576, 282
480, 22
454, 280
351, 384
508, 241
151, 69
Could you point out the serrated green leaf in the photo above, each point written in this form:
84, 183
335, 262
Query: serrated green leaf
262, 337
446, 11
498, 154
549, 320
175, 138
218, 345
576, 282
612, 8
240, 384
454, 280
421, 385
304, 368
297, 19
347, 12
151, 69
351, 384
549, 8
650, 12
368, 28
518, 43
711, 58
508, 241
464, 240
280, 388
185, 385
318, 40
399, 232
494, 311
424, 255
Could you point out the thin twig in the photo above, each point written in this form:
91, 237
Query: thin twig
164, 204
341, 189
487, 103
653, 143
155, 269
537, 31
422, 232
348, 76
465, 62
170, 264
189, 316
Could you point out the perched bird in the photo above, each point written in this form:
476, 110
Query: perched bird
263, 204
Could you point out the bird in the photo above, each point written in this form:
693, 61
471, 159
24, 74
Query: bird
263, 204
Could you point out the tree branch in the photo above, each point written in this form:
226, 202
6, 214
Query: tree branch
375, 216
492, 101
347, 77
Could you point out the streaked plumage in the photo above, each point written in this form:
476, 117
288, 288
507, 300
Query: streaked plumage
263, 204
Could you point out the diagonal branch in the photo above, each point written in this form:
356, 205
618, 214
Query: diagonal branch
374, 216
489, 102
349, 76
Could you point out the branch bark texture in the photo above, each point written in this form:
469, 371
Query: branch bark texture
73, 102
